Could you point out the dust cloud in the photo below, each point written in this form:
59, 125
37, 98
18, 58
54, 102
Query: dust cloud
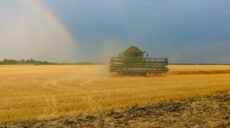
108, 50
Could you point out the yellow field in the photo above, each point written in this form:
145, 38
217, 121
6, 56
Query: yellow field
45, 92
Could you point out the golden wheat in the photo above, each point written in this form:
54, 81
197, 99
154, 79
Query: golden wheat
45, 92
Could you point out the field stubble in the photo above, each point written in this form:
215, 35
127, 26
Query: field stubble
46, 92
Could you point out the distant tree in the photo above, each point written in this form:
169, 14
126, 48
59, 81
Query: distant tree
23, 61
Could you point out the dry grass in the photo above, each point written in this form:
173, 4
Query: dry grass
45, 92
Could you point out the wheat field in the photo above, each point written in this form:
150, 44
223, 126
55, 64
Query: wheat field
46, 92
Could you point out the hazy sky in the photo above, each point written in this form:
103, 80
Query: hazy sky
196, 31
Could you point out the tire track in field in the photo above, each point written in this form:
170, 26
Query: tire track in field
88, 82
54, 83
79, 80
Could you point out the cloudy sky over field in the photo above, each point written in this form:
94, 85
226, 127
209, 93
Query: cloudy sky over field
195, 31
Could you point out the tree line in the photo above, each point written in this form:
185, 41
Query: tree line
24, 62
36, 62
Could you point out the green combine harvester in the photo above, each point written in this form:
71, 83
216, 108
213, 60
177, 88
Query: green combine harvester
133, 61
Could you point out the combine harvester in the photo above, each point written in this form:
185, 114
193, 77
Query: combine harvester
133, 61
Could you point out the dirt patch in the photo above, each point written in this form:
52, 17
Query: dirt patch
204, 112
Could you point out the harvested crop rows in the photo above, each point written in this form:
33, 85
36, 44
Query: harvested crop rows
211, 111
47, 92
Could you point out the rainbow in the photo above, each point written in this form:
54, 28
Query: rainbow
52, 17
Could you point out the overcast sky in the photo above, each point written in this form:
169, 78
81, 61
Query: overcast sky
196, 31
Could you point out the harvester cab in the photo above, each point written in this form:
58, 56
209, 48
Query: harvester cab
134, 61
